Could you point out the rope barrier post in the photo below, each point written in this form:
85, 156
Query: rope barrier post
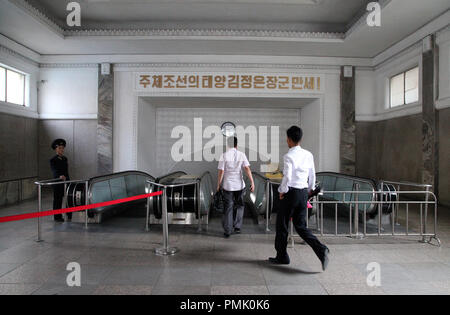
147, 218
165, 250
39, 236
199, 206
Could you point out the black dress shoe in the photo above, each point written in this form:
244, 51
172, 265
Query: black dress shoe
59, 220
237, 231
226, 235
325, 260
277, 261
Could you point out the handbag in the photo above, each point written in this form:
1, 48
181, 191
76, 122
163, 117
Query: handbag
218, 201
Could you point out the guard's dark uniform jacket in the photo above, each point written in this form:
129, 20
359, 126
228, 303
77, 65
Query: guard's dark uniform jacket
60, 167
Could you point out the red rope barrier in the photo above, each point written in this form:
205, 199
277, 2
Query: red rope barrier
75, 209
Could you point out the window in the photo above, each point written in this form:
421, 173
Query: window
12, 86
404, 88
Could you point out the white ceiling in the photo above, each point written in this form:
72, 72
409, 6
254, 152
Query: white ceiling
400, 18
129, 12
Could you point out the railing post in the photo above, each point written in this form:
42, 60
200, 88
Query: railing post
165, 250
86, 201
397, 208
39, 236
356, 215
380, 207
267, 206
64, 203
425, 216
291, 234
316, 207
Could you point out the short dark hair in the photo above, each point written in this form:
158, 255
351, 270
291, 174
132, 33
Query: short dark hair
232, 141
295, 134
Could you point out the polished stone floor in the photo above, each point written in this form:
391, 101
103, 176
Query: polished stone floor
116, 258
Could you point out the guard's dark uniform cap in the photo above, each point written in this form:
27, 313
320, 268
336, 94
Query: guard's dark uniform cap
58, 142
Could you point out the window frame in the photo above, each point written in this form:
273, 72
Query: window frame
6, 68
404, 87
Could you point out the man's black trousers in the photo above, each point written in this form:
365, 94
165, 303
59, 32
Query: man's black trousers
294, 205
58, 196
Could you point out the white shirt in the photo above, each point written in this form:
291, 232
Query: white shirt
299, 171
232, 162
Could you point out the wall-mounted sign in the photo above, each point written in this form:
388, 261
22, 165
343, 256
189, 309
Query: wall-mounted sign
227, 82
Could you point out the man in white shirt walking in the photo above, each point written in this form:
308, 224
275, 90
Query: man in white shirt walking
298, 181
231, 165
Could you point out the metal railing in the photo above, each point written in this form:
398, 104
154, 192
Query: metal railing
270, 198
353, 208
395, 210
53, 182
166, 249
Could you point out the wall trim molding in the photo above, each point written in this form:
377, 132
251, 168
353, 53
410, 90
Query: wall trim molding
141, 66
67, 65
142, 59
443, 103
17, 110
213, 34
412, 52
67, 116
391, 114
443, 35
12, 53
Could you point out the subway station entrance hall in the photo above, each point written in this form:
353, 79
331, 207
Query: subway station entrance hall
231, 153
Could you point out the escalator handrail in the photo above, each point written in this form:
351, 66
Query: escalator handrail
171, 185
260, 175
204, 174
355, 178
411, 184
158, 179
99, 179
266, 179
54, 181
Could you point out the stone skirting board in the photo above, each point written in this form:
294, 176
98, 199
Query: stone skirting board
17, 190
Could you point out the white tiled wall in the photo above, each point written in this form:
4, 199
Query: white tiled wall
168, 118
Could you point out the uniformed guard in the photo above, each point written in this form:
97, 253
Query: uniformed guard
60, 170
